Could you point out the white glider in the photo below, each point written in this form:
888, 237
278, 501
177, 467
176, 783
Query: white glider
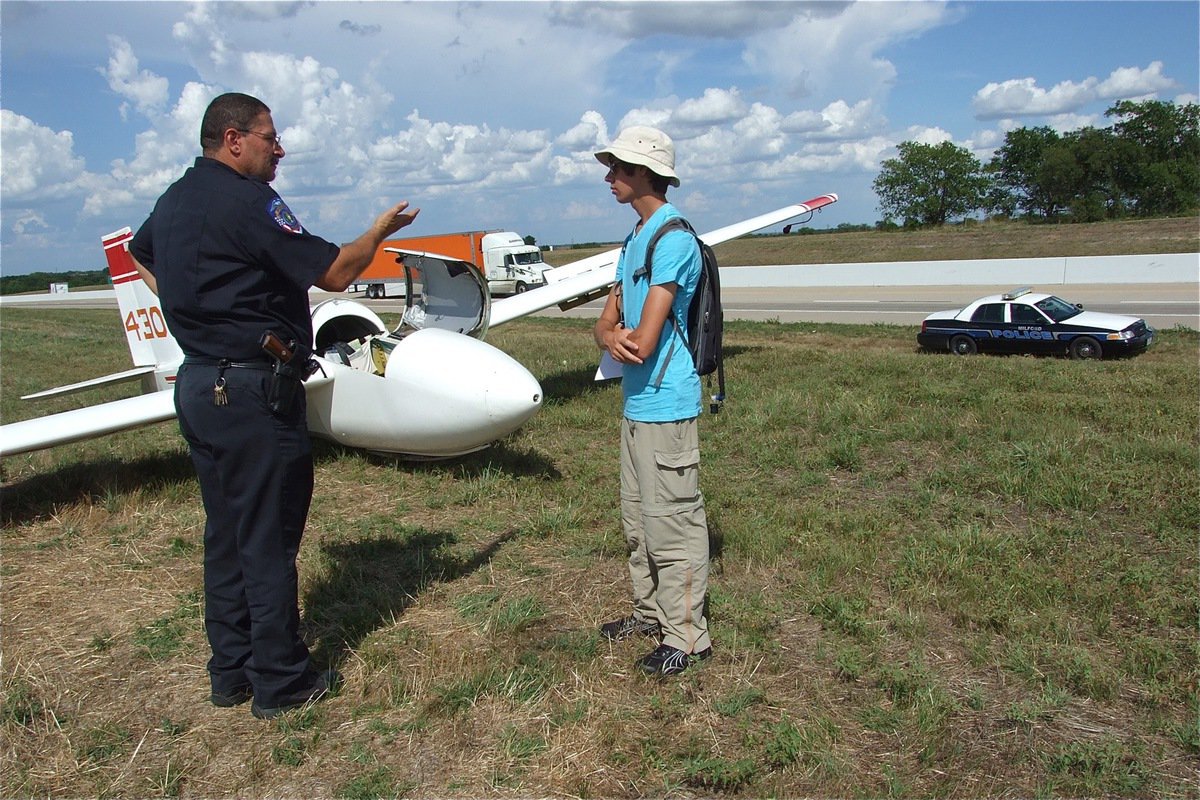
430, 388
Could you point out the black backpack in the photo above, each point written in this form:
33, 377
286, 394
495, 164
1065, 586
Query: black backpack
705, 320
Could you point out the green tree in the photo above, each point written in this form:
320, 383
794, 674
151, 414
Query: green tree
1020, 174
1162, 173
930, 184
1058, 178
1096, 192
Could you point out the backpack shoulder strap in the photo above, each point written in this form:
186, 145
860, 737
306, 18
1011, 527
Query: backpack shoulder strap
673, 224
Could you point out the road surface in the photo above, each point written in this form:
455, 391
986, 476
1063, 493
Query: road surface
1162, 305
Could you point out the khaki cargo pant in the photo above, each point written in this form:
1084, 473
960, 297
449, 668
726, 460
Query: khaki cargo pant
662, 513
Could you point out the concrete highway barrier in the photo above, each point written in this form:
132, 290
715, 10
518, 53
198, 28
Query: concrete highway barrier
1141, 269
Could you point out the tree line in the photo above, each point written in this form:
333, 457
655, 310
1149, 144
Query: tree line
40, 281
1146, 164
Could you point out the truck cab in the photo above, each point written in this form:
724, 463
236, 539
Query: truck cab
511, 266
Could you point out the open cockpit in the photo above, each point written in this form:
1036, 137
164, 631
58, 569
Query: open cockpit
440, 292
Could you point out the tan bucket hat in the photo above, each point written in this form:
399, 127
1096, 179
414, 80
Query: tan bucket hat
648, 147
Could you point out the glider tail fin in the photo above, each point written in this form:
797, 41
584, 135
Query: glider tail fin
150, 343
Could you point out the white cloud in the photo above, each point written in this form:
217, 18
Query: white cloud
590, 134
147, 91
667, 66
29, 223
1022, 97
762, 125
160, 155
39, 163
1132, 83
360, 30
440, 156
804, 122
716, 146
981, 144
928, 136
1064, 123
985, 142
571, 169
586, 211
701, 201
834, 158
654, 117
711, 20
831, 50
272, 11
842, 121
716, 107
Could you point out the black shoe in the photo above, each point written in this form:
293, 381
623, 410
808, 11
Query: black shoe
666, 660
233, 697
324, 683
628, 626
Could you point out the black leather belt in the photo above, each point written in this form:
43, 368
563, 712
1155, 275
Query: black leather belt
225, 363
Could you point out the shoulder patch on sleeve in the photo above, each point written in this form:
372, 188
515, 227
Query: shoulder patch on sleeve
283, 216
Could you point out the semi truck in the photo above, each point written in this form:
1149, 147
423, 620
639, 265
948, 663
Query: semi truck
508, 264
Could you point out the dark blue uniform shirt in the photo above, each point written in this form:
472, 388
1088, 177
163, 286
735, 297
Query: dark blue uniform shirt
231, 261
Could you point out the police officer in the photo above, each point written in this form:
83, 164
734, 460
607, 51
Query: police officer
231, 263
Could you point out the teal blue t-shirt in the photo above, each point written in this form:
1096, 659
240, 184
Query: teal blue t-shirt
676, 260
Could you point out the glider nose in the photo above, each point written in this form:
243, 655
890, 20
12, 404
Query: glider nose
513, 397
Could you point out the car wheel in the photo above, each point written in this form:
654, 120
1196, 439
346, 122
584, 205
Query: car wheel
1085, 347
963, 346
521, 288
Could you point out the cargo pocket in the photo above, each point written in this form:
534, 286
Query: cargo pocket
678, 476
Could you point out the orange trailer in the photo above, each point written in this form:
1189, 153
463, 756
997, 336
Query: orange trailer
509, 265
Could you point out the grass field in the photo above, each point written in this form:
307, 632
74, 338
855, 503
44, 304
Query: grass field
933, 577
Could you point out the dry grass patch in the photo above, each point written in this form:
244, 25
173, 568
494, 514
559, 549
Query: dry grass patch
920, 589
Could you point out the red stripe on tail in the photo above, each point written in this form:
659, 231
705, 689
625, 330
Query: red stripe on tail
120, 263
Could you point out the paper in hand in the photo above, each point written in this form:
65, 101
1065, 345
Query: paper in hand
609, 368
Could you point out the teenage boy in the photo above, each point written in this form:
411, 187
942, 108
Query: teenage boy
662, 509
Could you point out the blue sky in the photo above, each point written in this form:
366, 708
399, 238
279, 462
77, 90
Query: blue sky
486, 114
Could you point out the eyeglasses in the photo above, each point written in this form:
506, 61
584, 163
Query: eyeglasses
274, 138
617, 165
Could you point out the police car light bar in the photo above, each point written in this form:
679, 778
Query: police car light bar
1015, 293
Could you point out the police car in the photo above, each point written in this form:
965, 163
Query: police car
1025, 321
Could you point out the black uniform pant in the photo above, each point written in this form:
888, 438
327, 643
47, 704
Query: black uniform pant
256, 480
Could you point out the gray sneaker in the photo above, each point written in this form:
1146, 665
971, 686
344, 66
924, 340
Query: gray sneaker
666, 660
629, 626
